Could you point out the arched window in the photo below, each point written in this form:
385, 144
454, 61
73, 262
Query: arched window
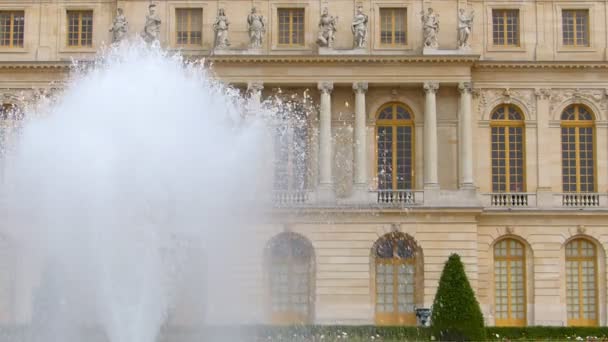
578, 160
395, 147
508, 157
581, 283
291, 279
395, 263
510, 283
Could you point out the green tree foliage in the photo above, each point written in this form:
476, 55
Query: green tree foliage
456, 313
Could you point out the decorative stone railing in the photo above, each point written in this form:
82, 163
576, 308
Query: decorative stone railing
510, 200
291, 198
400, 197
581, 200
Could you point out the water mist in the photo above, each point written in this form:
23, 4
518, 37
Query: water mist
139, 183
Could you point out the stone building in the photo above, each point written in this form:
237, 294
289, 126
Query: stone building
495, 148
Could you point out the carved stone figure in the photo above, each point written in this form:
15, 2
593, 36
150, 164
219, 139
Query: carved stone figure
430, 28
327, 29
255, 25
151, 31
359, 28
221, 30
119, 26
465, 21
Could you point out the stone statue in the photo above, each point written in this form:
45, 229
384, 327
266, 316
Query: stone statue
119, 26
220, 27
464, 28
430, 29
255, 25
327, 29
152, 27
359, 28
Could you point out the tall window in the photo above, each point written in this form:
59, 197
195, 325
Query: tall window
509, 283
578, 162
291, 145
291, 26
395, 260
581, 283
505, 27
507, 149
291, 279
393, 26
80, 28
189, 26
395, 147
12, 26
575, 27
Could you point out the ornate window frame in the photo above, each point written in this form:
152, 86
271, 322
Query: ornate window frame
273, 27
490, 47
593, 38
97, 32
411, 34
171, 27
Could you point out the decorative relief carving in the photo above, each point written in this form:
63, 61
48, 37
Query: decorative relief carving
542, 93
431, 87
491, 96
597, 96
325, 87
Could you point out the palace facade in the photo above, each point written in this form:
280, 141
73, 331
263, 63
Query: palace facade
497, 151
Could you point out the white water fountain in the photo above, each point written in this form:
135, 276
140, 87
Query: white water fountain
137, 185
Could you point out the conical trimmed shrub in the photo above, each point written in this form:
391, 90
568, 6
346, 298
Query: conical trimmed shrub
456, 313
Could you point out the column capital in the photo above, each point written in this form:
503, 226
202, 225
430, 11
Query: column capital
542, 93
430, 87
360, 87
255, 86
465, 87
325, 87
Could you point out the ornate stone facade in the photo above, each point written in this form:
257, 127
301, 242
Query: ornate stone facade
442, 101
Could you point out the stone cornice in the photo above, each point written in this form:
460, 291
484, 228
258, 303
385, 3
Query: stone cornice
270, 59
484, 65
472, 60
59, 65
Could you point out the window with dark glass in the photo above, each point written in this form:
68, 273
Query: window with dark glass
508, 172
189, 26
393, 26
291, 26
395, 147
395, 261
575, 27
80, 28
12, 28
505, 27
578, 149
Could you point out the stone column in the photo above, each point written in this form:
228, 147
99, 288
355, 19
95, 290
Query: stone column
465, 144
431, 180
254, 88
325, 176
360, 153
543, 148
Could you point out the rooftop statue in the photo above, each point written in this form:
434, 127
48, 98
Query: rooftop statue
327, 29
151, 31
430, 28
255, 25
221, 30
464, 28
359, 28
119, 26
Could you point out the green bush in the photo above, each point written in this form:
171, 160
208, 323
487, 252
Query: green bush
456, 313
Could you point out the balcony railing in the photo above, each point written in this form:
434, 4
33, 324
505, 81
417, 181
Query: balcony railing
581, 200
510, 200
291, 198
400, 197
